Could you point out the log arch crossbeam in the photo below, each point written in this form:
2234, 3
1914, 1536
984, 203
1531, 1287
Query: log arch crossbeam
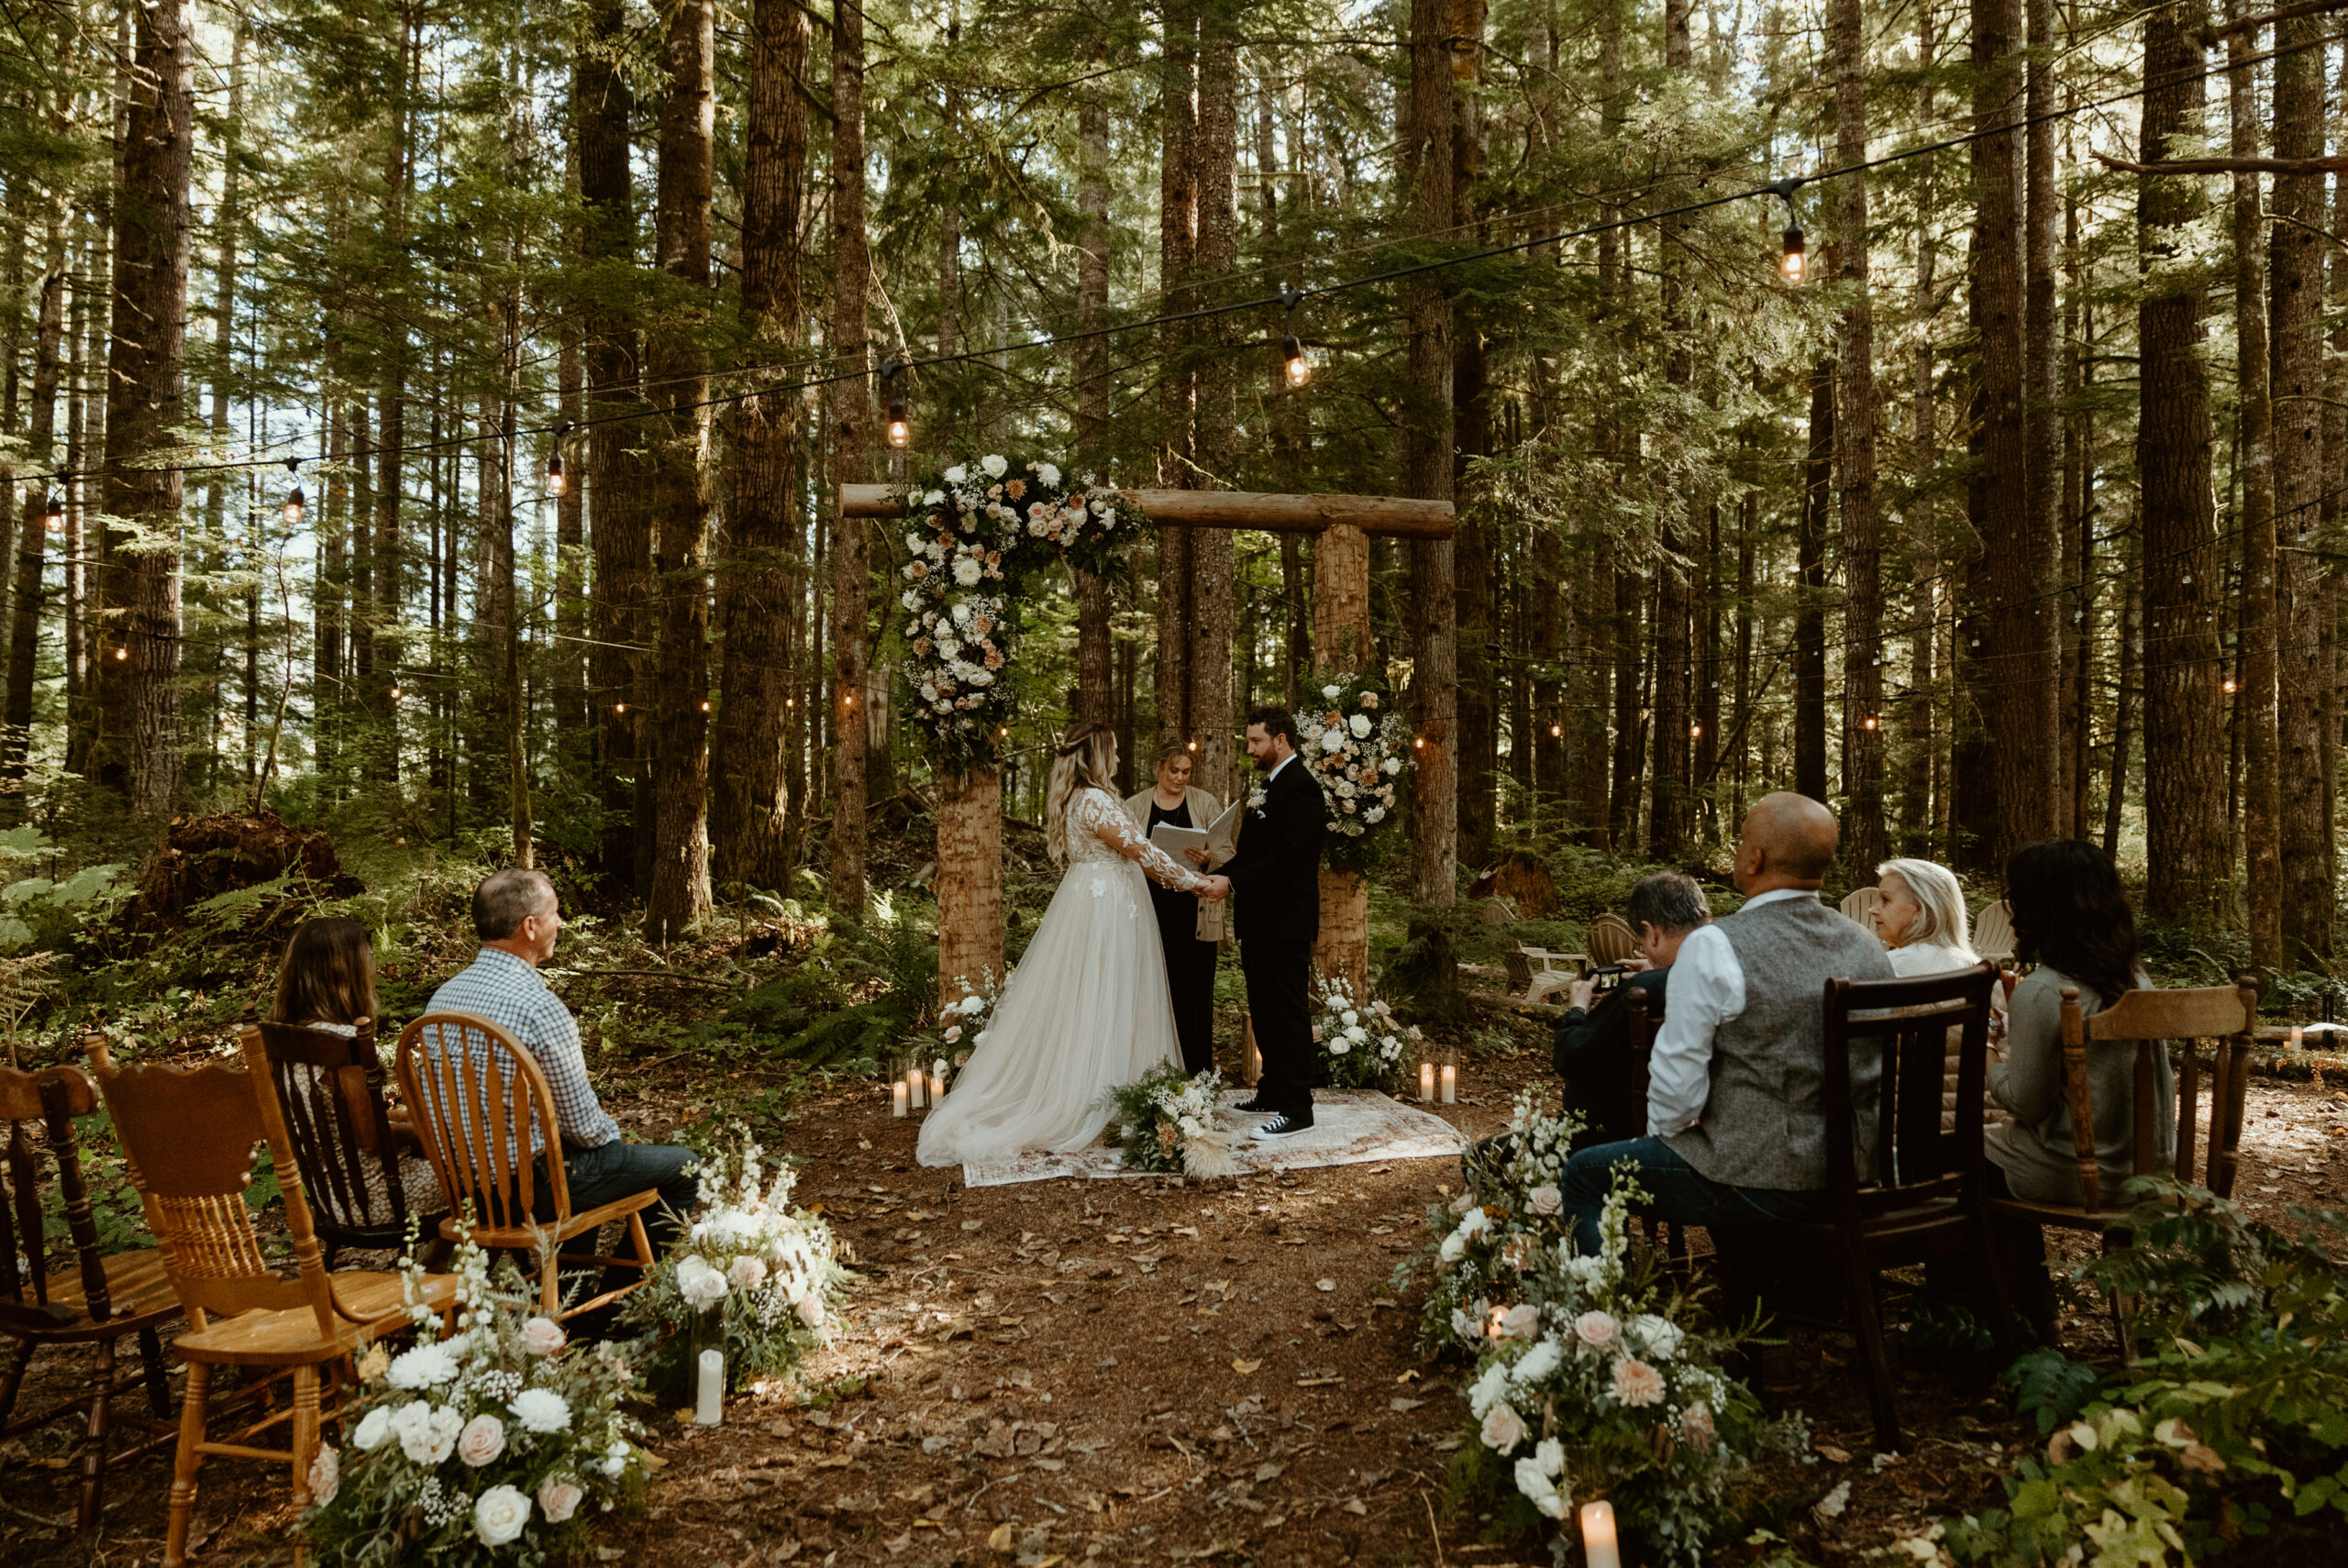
1394, 517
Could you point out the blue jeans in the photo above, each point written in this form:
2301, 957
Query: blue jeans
1676, 1191
615, 1170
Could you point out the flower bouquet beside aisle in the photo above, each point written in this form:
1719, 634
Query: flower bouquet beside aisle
961, 1024
499, 1443
753, 1277
1360, 1045
1483, 1243
1166, 1121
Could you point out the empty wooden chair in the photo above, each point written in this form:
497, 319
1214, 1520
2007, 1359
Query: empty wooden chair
188, 1136
331, 1088
2141, 1021
1534, 973
1993, 932
1610, 940
482, 1108
1926, 1196
98, 1302
1859, 904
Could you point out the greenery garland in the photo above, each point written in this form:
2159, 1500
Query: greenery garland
981, 533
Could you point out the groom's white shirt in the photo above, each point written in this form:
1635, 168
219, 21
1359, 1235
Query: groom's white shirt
1275, 773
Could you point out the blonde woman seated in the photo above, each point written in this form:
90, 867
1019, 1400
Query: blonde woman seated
1921, 918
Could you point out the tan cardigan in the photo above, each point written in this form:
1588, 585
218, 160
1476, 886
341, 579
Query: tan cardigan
1204, 808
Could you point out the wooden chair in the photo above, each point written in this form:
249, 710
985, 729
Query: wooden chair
1532, 972
1927, 1196
331, 1087
1859, 905
1993, 932
98, 1302
1669, 1238
188, 1136
480, 1122
1610, 940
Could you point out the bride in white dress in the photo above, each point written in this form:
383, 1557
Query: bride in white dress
1087, 1010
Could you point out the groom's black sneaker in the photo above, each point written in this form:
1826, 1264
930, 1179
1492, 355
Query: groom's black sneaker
1288, 1124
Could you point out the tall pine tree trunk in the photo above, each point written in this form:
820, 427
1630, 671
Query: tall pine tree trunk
1865, 842
757, 596
1178, 116
1668, 810
1478, 686
1216, 423
2295, 304
1917, 812
851, 423
1094, 389
2255, 709
138, 747
679, 363
1810, 569
2188, 852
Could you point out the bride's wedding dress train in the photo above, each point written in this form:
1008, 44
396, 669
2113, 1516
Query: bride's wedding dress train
1086, 1012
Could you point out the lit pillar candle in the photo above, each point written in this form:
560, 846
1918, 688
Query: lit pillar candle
710, 1404
913, 1087
1427, 1083
1450, 1084
2296, 1037
897, 1098
937, 1087
1598, 1536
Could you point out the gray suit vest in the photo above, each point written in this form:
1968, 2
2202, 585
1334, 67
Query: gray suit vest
1763, 1124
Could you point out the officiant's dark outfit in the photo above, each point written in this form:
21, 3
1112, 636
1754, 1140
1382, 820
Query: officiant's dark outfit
1189, 933
1275, 902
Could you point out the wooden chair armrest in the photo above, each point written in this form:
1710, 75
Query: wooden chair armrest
596, 1218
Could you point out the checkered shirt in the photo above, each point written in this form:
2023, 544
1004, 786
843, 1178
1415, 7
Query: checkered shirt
509, 994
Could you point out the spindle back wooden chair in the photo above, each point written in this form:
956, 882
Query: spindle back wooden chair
1610, 940
331, 1086
483, 1110
99, 1300
188, 1135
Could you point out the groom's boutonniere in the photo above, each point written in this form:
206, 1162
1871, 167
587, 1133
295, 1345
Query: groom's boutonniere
1255, 799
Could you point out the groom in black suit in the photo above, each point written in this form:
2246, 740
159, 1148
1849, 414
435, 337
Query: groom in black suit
1277, 872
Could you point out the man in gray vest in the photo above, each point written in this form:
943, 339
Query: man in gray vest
1736, 1124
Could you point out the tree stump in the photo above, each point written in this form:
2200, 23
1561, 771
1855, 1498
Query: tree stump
970, 878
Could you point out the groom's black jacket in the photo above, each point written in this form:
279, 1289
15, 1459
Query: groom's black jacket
1275, 872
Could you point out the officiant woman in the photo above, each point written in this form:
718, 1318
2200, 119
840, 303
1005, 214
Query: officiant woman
1191, 932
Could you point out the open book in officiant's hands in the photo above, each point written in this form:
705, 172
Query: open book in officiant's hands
1207, 847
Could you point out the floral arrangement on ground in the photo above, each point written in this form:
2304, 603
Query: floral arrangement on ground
1355, 745
1590, 1381
498, 1443
753, 1277
1361, 1046
1166, 1121
961, 1024
977, 533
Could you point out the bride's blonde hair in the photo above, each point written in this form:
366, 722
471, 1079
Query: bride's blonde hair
1086, 759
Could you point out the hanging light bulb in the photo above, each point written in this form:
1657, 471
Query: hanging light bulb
53, 517
291, 514
1557, 732
1867, 722
1300, 366
556, 481
2229, 686
1695, 732
396, 693
704, 704
901, 428
121, 647
619, 708
1795, 260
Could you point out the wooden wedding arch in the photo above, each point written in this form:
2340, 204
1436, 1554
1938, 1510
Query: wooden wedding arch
969, 809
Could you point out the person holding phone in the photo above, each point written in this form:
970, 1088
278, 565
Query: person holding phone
1595, 1052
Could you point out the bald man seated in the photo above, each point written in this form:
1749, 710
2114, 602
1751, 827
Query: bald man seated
1736, 1127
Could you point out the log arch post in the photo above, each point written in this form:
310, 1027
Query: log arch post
969, 805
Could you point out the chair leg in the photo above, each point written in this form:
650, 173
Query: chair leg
184, 1463
2001, 1296
159, 1382
14, 1379
94, 1451
305, 1446
2119, 1304
643, 1241
1867, 1322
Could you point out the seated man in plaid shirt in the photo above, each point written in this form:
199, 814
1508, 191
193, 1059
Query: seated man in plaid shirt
516, 918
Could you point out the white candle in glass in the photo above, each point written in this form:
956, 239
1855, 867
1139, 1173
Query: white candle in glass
1427, 1083
710, 1404
2296, 1037
1450, 1084
913, 1087
937, 1087
1598, 1536
897, 1099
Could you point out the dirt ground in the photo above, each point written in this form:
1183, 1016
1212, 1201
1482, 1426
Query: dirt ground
1136, 1371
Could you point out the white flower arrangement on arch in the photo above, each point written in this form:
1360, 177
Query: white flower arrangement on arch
1356, 742
500, 1443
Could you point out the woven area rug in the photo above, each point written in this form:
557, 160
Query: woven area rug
1350, 1127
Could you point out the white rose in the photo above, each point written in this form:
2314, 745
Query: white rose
325, 1475
373, 1429
542, 1409
957, 474
1503, 1428
559, 1498
993, 465
1048, 474
914, 543
1036, 524
747, 1273
933, 498
928, 693
1544, 1200
1454, 1247
1332, 739
1375, 813
1357, 1035
1330, 692
481, 1441
1349, 1018
983, 677
701, 1286
499, 1516
974, 1005
1340, 1046
1392, 765
1539, 1489
1550, 1454
1492, 1385
1359, 724
810, 1308
969, 572
1661, 1336
953, 1032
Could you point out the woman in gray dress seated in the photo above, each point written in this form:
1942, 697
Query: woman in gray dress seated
2072, 920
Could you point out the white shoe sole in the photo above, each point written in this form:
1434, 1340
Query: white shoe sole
1265, 1135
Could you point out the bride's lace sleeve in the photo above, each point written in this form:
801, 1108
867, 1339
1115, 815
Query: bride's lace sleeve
1103, 817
